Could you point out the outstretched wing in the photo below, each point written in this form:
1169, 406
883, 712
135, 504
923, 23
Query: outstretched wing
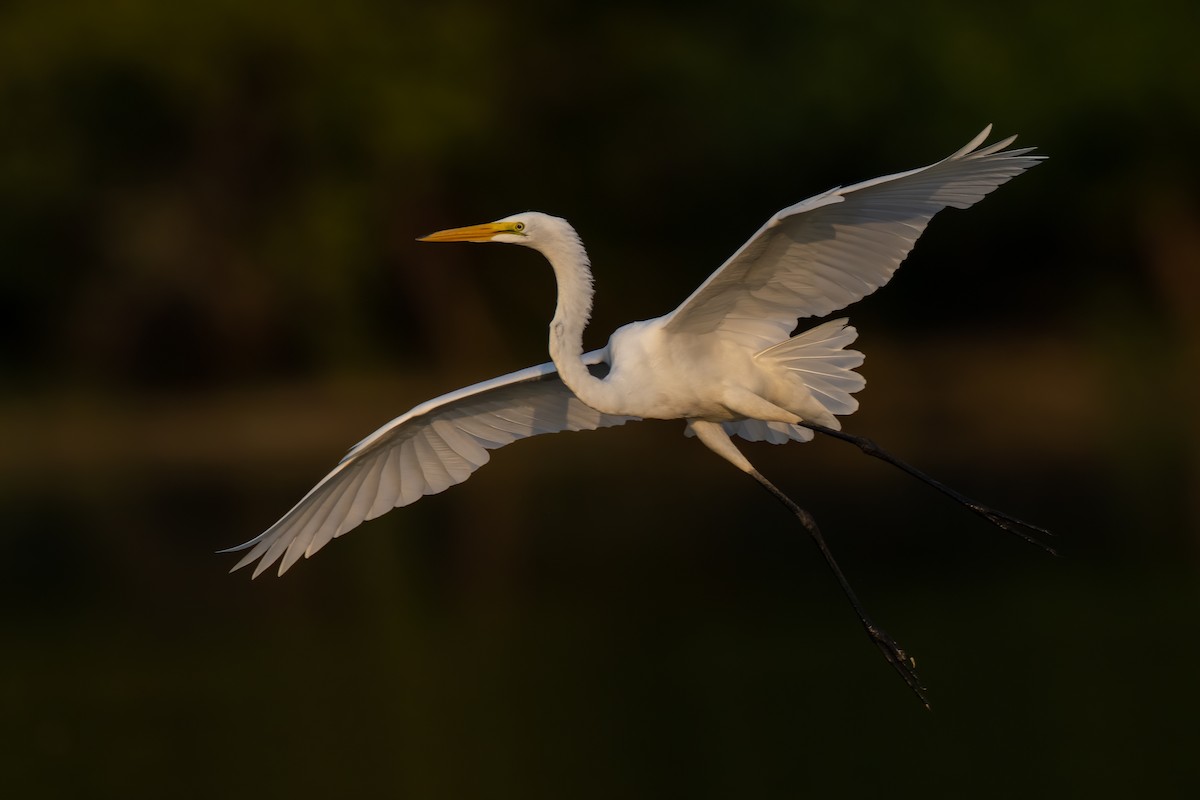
432, 447
826, 252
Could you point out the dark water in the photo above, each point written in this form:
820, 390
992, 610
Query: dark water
608, 614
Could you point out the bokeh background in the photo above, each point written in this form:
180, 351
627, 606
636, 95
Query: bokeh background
209, 289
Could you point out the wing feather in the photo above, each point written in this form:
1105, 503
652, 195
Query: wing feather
408, 482
429, 462
830, 250
425, 451
368, 495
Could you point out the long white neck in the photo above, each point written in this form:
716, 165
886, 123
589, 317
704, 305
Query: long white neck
572, 271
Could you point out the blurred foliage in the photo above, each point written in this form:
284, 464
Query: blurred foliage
191, 190
209, 284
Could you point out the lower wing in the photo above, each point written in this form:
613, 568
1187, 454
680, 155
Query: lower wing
425, 451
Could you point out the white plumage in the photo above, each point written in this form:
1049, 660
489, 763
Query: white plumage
724, 359
425, 451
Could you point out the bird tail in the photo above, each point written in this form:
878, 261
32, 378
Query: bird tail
819, 358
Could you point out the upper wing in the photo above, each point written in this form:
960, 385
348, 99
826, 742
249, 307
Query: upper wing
837, 247
432, 447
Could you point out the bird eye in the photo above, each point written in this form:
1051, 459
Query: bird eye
519, 226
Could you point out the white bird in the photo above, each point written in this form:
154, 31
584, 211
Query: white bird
726, 360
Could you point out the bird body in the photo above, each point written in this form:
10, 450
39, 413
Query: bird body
659, 374
727, 360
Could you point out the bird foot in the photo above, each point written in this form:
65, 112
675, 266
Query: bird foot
905, 664
1011, 524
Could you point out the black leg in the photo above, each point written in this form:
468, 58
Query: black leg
904, 664
998, 518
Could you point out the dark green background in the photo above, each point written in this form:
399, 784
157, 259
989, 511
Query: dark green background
209, 288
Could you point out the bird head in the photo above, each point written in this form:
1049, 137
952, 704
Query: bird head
530, 229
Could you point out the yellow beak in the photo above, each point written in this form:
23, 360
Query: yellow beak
471, 233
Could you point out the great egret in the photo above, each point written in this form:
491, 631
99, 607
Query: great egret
725, 360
